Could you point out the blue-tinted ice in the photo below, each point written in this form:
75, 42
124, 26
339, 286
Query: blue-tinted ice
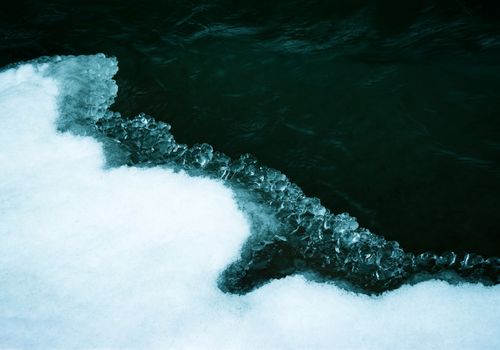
291, 233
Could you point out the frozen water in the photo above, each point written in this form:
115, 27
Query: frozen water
291, 232
131, 257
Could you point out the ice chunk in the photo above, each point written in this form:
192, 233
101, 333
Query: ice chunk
129, 257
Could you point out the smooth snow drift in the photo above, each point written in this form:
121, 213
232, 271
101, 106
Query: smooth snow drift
127, 257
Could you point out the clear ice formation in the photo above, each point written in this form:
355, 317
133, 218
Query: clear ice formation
291, 233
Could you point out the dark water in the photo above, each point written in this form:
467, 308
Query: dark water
387, 110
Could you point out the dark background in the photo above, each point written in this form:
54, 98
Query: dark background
388, 110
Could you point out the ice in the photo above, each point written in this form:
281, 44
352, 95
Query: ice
112, 235
330, 246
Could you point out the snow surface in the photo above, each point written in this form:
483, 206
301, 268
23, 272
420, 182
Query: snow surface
128, 258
